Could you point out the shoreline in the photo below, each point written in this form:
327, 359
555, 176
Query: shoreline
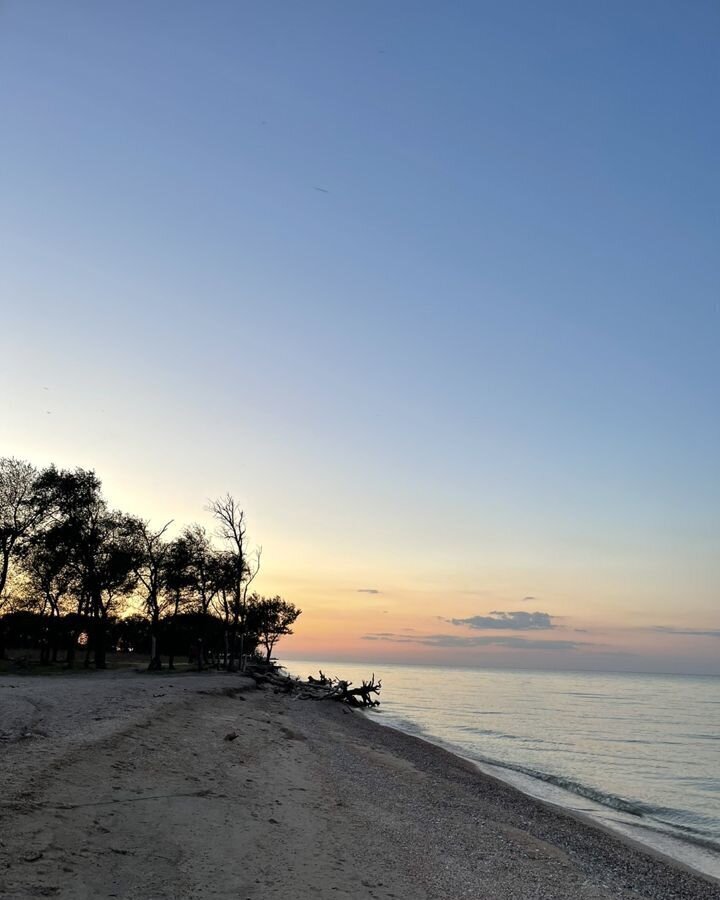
199, 786
703, 857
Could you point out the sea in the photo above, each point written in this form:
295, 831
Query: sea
639, 754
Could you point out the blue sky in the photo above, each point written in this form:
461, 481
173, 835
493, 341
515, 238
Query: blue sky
432, 288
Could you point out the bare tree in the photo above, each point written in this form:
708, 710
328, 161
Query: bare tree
232, 529
21, 511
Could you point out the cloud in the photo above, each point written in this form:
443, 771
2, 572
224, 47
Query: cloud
527, 599
512, 621
367, 591
697, 632
455, 641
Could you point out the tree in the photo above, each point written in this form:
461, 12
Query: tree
49, 579
182, 639
151, 558
177, 579
201, 557
203, 584
232, 529
97, 543
21, 511
273, 617
223, 579
113, 576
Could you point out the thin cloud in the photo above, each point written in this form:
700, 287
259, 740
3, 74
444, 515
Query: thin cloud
697, 632
519, 620
368, 591
527, 599
455, 641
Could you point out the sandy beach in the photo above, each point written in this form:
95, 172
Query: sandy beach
127, 785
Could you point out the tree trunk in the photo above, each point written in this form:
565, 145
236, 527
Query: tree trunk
170, 634
54, 635
4, 567
100, 655
233, 651
100, 652
155, 663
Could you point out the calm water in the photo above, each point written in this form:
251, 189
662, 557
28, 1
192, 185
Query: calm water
641, 753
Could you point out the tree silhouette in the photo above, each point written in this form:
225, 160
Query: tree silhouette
202, 581
21, 511
273, 617
97, 544
151, 554
49, 581
232, 530
177, 580
223, 578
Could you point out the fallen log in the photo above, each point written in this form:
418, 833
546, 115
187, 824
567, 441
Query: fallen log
322, 688
360, 696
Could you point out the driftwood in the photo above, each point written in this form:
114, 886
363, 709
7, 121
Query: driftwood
322, 688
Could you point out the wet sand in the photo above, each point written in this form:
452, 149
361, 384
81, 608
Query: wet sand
125, 785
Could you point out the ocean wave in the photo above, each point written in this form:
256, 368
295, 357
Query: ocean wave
656, 818
685, 833
622, 804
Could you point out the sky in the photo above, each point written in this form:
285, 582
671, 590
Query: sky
431, 289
